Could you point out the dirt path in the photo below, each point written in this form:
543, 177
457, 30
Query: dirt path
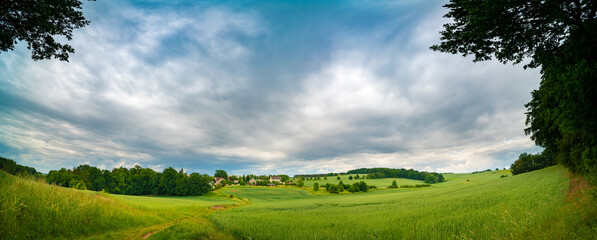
152, 230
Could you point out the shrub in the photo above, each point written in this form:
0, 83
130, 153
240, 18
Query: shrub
333, 189
316, 187
394, 184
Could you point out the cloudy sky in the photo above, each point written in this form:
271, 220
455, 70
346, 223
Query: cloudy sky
262, 87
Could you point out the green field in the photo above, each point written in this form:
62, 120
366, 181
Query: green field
379, 183
535, 205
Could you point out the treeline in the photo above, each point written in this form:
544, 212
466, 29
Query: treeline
134, 181
428, 177
341, 187
10, 166
529, 162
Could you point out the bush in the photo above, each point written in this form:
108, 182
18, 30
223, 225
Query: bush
333, 189
394, 184
316, 187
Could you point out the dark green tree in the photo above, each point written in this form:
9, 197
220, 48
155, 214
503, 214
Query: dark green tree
316, 187
168, 181
37, 22
221, 173
557, 35
363, 186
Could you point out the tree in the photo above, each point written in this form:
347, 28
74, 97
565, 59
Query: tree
37, 22
316, 187
394, 184
338, 178
529, 162
349, 177
557, 35
168, 181
221, 173
333, 189
363, 186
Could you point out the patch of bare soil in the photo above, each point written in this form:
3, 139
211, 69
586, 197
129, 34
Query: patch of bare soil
148, 234
578, 189
217, 207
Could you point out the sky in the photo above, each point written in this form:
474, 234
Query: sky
263, 87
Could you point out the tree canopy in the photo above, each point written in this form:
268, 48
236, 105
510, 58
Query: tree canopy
37, 22
557, 35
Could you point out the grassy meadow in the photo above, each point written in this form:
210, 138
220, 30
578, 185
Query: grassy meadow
379, 183
538, 205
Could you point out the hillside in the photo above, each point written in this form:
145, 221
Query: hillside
543, 204
471, 206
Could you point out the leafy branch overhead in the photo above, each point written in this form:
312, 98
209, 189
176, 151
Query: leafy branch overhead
38, 22
514, 30
558, 36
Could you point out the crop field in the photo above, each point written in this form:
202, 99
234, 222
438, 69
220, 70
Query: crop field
379, 183
467, 206
485, 205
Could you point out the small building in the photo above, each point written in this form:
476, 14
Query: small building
275, 179
219, 180
253, 182
235, 181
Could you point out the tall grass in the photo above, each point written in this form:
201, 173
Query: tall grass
484, 207
35, 210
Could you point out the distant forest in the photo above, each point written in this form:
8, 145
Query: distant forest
134, 181
372, 173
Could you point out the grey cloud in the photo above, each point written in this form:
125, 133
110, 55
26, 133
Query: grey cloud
264, 90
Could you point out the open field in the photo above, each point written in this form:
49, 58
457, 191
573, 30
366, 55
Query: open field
379, 183
31, 209
486, 206
468, 206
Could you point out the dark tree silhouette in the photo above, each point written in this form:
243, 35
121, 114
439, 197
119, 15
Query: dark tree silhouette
37, 22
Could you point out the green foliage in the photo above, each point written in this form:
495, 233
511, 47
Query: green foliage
221, 173
10, 166
559, 37
316, 187
378, 173
300, 183
394, 184
37, 22
529, 162
134, 181
332, 188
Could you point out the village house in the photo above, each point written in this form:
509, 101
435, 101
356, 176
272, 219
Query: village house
275, 179
219, 180
253, 182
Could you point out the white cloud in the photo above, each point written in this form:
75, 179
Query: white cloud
202, 88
